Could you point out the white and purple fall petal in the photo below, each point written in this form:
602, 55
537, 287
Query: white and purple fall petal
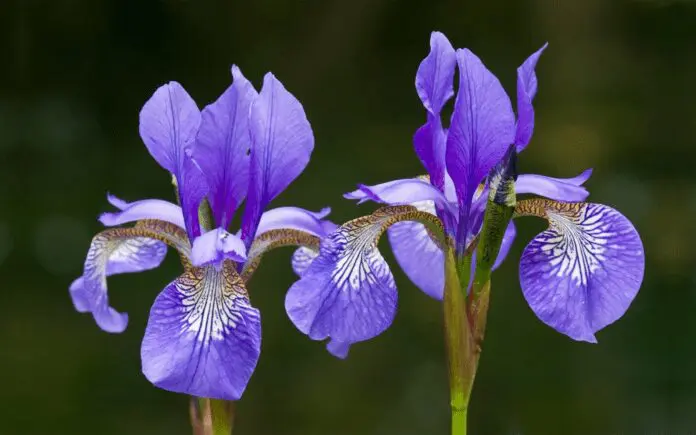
583, 272
203, 337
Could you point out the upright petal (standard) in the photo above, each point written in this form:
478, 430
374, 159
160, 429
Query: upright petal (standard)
481, 130
169, 122
282, 142
223, 145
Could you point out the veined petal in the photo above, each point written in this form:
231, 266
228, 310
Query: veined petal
434, 84
133, 255
560, 189
302, 258
482, 128
401, 192
583, 272
435, 76
114, 251
418, 255
348, 293
526, 90
215, 246
203, 337
169, 122
282, 142
143, 209
222, 147
429, 142
293, 218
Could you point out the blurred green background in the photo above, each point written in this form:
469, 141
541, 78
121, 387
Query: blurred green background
616, 93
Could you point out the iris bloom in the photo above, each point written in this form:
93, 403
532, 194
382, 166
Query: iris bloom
578, 276
203, 336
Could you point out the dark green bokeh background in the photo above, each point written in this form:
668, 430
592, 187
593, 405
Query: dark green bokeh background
616, 92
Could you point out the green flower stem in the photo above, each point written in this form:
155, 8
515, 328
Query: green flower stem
212, 416
462, 353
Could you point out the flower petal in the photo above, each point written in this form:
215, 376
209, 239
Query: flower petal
434, 85
348, 292
583, 272
302, 258
282, 142
560, 189
215, 246
526, 90
133, 255
275, 239
435, 76
338, 349
114, 251
508, 240
293, 218
222, 147
143, 209
169, 122
429, 142
482, 128
418, 255
203, 337
401, 192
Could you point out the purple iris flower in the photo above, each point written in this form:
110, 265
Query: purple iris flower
578, 276
203, 336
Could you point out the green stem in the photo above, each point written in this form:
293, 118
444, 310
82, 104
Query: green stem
212, 416
462, 353
459, 421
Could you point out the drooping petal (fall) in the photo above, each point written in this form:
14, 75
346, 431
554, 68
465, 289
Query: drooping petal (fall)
419, 256
223, 145
302, 258
131, 255
338, 349
348, 292
282, 142
482, 128
203, 337
215, 246
583, 272
526, 90
114, 251
169, 122
560, 189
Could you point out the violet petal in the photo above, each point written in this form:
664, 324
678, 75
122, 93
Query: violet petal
583, 272
482, 128
222, 147
282, 142
203, 337
169, 122
526, 90
560, 189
